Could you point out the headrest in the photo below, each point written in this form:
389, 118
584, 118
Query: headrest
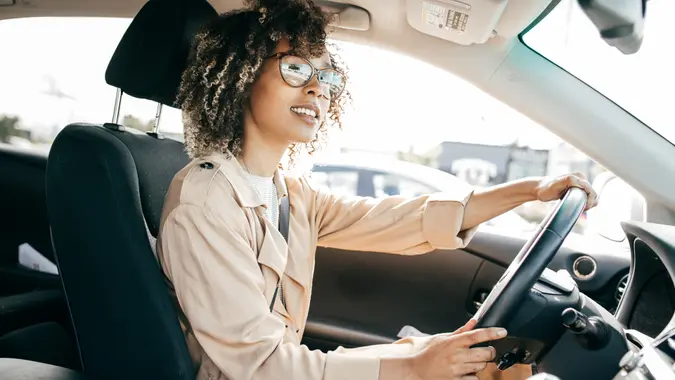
152, 54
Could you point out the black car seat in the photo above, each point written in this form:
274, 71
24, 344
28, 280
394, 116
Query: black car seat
105, 188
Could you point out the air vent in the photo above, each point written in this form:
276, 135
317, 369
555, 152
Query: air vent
621, 288
584, 267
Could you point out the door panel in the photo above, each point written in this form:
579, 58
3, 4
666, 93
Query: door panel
362, 298
23, 209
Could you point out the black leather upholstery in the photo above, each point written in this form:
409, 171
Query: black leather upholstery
124, 321
151, 56
17, 369
104, 186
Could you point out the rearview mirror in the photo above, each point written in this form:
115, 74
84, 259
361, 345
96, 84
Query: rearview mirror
620, 22
617, 201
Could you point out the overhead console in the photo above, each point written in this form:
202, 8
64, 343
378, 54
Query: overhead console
470, 22
465, 22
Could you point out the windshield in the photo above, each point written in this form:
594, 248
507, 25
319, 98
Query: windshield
641, 83
404, 135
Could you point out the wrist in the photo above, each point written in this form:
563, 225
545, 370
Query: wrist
396, 368
531, 186
522, 190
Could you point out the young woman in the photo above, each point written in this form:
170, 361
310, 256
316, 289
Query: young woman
261, 83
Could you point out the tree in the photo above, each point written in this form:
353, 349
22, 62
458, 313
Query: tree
134, 122
9, 127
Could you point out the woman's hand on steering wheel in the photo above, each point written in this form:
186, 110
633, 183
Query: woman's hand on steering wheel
450, 356
554, 188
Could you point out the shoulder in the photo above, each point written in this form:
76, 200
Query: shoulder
202, 183
303, 188
301, 183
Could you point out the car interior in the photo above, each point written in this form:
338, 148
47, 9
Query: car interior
92, 206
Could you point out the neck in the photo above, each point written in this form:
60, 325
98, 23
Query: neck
261, 156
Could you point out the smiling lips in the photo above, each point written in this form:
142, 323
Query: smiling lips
307, 113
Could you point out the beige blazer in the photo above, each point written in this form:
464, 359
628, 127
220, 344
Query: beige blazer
223, 260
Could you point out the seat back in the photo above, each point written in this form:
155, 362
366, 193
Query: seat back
105, 188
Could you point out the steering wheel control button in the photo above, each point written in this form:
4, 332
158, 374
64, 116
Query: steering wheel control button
591, 333
584, 267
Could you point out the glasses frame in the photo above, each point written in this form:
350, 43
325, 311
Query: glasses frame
315, 72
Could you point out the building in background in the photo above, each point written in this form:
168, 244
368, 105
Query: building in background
485, 165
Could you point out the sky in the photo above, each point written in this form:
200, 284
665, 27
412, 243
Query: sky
73, 53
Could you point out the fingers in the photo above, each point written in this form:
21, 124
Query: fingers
592, 200
473, 337
578, 180
572, 180
468, 326
468, 368
474, 355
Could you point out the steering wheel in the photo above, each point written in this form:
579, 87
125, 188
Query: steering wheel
525, 269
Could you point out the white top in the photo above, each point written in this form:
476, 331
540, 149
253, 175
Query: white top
268, 195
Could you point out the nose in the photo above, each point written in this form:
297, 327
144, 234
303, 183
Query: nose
314, 87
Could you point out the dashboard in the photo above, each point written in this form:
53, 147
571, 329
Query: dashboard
644, 319
654, 305
647, 308
648, 304
599, 267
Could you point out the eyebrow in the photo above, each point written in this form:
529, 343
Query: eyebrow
324, 65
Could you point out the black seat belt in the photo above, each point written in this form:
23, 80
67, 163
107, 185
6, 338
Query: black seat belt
284, 218
284, 215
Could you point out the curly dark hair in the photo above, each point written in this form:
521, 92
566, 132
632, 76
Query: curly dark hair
225, 61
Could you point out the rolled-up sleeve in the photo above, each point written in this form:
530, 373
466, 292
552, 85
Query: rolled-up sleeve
393, 224
220, 289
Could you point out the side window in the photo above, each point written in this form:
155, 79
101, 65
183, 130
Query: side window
56, 76
409, 113
340, 182
391, 184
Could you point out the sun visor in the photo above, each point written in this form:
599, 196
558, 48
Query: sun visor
346, 16
470, 22
152, 54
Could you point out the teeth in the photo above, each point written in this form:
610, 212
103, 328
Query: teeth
304, 111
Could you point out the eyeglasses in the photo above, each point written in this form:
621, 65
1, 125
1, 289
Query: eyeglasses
297, 72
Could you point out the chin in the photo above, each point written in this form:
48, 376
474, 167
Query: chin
303, 137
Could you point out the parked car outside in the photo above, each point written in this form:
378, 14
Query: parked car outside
363, 175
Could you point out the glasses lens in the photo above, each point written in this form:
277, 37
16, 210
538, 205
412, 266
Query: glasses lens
295, 70
333, 81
